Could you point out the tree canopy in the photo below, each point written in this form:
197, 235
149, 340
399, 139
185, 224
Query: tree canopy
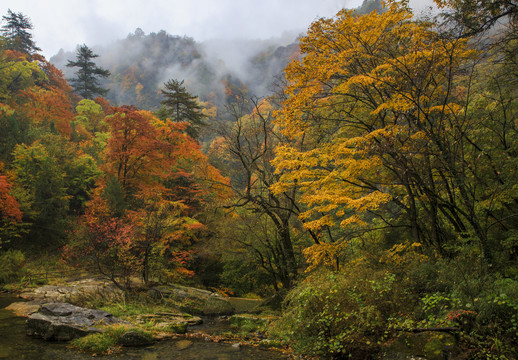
386, 130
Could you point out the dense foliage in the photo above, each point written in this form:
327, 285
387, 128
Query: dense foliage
375, 192
406, 136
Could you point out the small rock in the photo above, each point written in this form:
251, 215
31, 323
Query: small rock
236, 346
154, 294
183, 344
134, 338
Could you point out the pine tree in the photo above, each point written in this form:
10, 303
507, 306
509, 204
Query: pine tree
86, 84
16, 32
182, 106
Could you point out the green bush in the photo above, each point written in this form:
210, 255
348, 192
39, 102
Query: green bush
249, 323
340, 315
245, 277
496, 325
11, 266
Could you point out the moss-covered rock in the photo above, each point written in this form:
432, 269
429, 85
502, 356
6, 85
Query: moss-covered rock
135, 338
217, 306
193, 300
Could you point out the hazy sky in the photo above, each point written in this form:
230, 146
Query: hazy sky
66, 23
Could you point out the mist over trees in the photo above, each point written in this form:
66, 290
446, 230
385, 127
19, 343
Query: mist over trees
214, 70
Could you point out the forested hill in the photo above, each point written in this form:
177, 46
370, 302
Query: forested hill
214, 70
141, 63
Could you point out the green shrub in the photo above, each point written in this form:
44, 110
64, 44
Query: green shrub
437, 308
249, 323
340, 315
244, 277
496, 326
11, 266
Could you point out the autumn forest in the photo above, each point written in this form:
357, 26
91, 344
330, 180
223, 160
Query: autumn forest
368, 188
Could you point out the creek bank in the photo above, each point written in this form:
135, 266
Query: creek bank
166, 324
14, 344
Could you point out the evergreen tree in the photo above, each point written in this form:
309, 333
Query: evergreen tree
86, 84
16, 31
182, 106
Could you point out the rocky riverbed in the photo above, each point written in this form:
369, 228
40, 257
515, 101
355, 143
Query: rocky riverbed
200, 342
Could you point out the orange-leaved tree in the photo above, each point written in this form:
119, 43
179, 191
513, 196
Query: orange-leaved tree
10, 213
143, 159
49, 109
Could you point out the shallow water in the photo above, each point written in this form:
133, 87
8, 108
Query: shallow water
14, 344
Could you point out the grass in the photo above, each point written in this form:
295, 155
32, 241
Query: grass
128, 310
105, 343
109, 341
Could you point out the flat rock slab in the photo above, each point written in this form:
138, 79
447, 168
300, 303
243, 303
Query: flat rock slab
64, 322
193, 300
23, 308
62, 293
217, 306
170, 318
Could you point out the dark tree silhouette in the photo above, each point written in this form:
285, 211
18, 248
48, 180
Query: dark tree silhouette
182, 106
86, 83
16, 32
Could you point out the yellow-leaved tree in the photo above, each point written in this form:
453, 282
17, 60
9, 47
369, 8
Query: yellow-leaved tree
378, 105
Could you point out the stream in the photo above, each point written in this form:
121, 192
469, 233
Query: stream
14, 344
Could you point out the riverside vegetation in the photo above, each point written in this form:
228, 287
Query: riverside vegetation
372, 199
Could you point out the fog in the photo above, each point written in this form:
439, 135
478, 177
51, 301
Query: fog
220, 39
67, 23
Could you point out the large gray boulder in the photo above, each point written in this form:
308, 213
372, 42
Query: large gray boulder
64, 322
